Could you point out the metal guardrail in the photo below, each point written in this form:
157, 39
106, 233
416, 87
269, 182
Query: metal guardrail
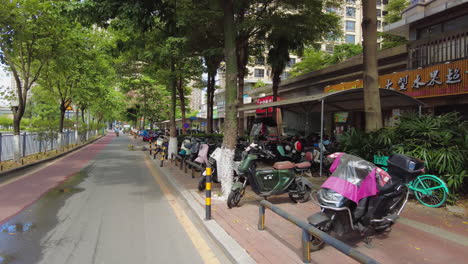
31, 144
308, 231
195, 167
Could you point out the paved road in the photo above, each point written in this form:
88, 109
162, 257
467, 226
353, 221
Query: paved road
117, 214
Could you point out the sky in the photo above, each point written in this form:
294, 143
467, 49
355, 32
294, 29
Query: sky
4, 82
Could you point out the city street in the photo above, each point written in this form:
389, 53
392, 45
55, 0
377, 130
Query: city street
113, 211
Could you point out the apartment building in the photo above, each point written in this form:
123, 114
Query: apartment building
351, 14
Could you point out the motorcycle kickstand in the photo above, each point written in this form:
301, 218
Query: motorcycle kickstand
368, 241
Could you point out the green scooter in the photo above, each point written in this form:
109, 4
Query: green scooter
284, 177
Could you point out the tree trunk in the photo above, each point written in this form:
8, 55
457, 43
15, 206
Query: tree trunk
225, 167
180, 88
63, 109
83, 114
18, 113
77, 118
276, 82
372, 106
16, 135
242, 60
209, 104
172, 113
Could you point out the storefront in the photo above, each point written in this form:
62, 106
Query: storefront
442, 87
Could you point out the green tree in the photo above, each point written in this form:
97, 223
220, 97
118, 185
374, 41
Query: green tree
295, 24
312, 59
394, 10
315, 59
29, 33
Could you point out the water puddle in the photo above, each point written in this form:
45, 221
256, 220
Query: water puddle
20, 236
12, 229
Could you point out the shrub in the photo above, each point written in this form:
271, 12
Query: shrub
441, 141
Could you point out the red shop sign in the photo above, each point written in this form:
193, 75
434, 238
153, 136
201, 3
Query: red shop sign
265, 100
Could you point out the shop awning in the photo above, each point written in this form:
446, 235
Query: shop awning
346, 100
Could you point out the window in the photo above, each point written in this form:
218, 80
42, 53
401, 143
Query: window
291, 62
260, 60
379, 2
330, 10
285, 75
379, 12
350, 12
350, 26
351, 1
350, 39
329, 48
331, 37
379, 24
259, 73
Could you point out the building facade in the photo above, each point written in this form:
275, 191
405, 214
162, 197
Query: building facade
432, 67
351, 20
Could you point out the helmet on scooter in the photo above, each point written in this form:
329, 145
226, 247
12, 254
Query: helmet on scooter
298, 146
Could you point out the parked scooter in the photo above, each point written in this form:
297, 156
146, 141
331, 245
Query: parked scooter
213, 161
282, 178
361, 197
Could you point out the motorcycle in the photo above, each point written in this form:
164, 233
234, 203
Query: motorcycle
361, 197
213, 161
282, 178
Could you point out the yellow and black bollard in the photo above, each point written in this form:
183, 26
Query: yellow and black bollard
150, 147
208, 192
163, 156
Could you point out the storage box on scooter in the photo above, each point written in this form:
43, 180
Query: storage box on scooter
405, 167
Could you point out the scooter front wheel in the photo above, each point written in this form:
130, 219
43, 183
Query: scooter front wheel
234, 198
202, 184
316, 243
302, 196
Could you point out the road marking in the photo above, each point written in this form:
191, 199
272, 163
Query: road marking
462, 240
199, 243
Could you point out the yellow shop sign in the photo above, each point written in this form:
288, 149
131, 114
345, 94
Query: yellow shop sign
438, 80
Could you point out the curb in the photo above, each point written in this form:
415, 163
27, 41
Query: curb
230, 247
4, 174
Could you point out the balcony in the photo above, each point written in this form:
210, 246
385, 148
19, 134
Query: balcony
447, 47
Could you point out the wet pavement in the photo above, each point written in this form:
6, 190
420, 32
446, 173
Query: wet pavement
111, 212
20, 236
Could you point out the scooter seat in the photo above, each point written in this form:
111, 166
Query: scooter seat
283, 165
303, 165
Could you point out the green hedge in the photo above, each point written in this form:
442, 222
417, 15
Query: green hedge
441, 141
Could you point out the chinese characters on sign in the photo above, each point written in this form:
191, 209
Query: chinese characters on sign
453, 76
403, 82
437, 80
265, 100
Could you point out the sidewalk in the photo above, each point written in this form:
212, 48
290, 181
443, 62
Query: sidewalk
16, 194
422, 235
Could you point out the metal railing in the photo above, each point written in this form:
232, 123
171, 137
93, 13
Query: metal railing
308, 231
448, 47
31, 144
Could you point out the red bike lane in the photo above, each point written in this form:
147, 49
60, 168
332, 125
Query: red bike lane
20, 193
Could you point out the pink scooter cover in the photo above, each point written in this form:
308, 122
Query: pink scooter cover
354, 178
203, 154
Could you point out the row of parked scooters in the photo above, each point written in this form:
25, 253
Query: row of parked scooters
359, 198
269, 168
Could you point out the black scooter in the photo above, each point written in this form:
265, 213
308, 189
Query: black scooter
371, 214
